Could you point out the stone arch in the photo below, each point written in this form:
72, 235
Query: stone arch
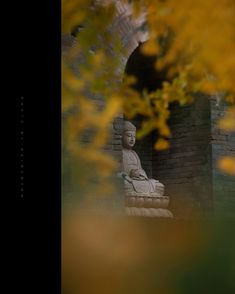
129, 32
196, 183
185, 168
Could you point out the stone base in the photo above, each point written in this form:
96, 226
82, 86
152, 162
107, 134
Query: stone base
149, 212
147, 201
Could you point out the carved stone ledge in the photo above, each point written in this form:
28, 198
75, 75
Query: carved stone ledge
148, 212
147, 201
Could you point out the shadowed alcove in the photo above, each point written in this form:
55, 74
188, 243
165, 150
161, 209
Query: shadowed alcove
142, 67
184, 167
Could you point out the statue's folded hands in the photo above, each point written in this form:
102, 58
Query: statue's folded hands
124, 176
137, 174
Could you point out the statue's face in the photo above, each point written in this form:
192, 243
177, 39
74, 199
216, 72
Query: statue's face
128, 139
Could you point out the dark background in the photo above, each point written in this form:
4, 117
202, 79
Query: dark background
34, 46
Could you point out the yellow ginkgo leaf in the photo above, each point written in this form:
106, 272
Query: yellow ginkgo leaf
165, 131
161, 144
227, 164
228, 122
150, 48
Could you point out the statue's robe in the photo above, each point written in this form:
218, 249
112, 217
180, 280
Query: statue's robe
141, 184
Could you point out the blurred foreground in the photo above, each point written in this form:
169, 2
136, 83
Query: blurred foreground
118, 255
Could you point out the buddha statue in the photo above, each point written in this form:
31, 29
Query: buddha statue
144, 196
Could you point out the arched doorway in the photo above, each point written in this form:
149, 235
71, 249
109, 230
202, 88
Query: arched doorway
185, 168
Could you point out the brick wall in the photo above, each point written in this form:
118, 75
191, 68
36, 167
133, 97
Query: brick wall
184, 169
223, 143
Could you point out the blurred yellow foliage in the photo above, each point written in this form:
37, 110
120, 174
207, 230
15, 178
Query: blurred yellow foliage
150, 48
162, 144
193, 39
227, 164
228, 122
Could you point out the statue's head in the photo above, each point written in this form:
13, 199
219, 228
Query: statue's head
128, 136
